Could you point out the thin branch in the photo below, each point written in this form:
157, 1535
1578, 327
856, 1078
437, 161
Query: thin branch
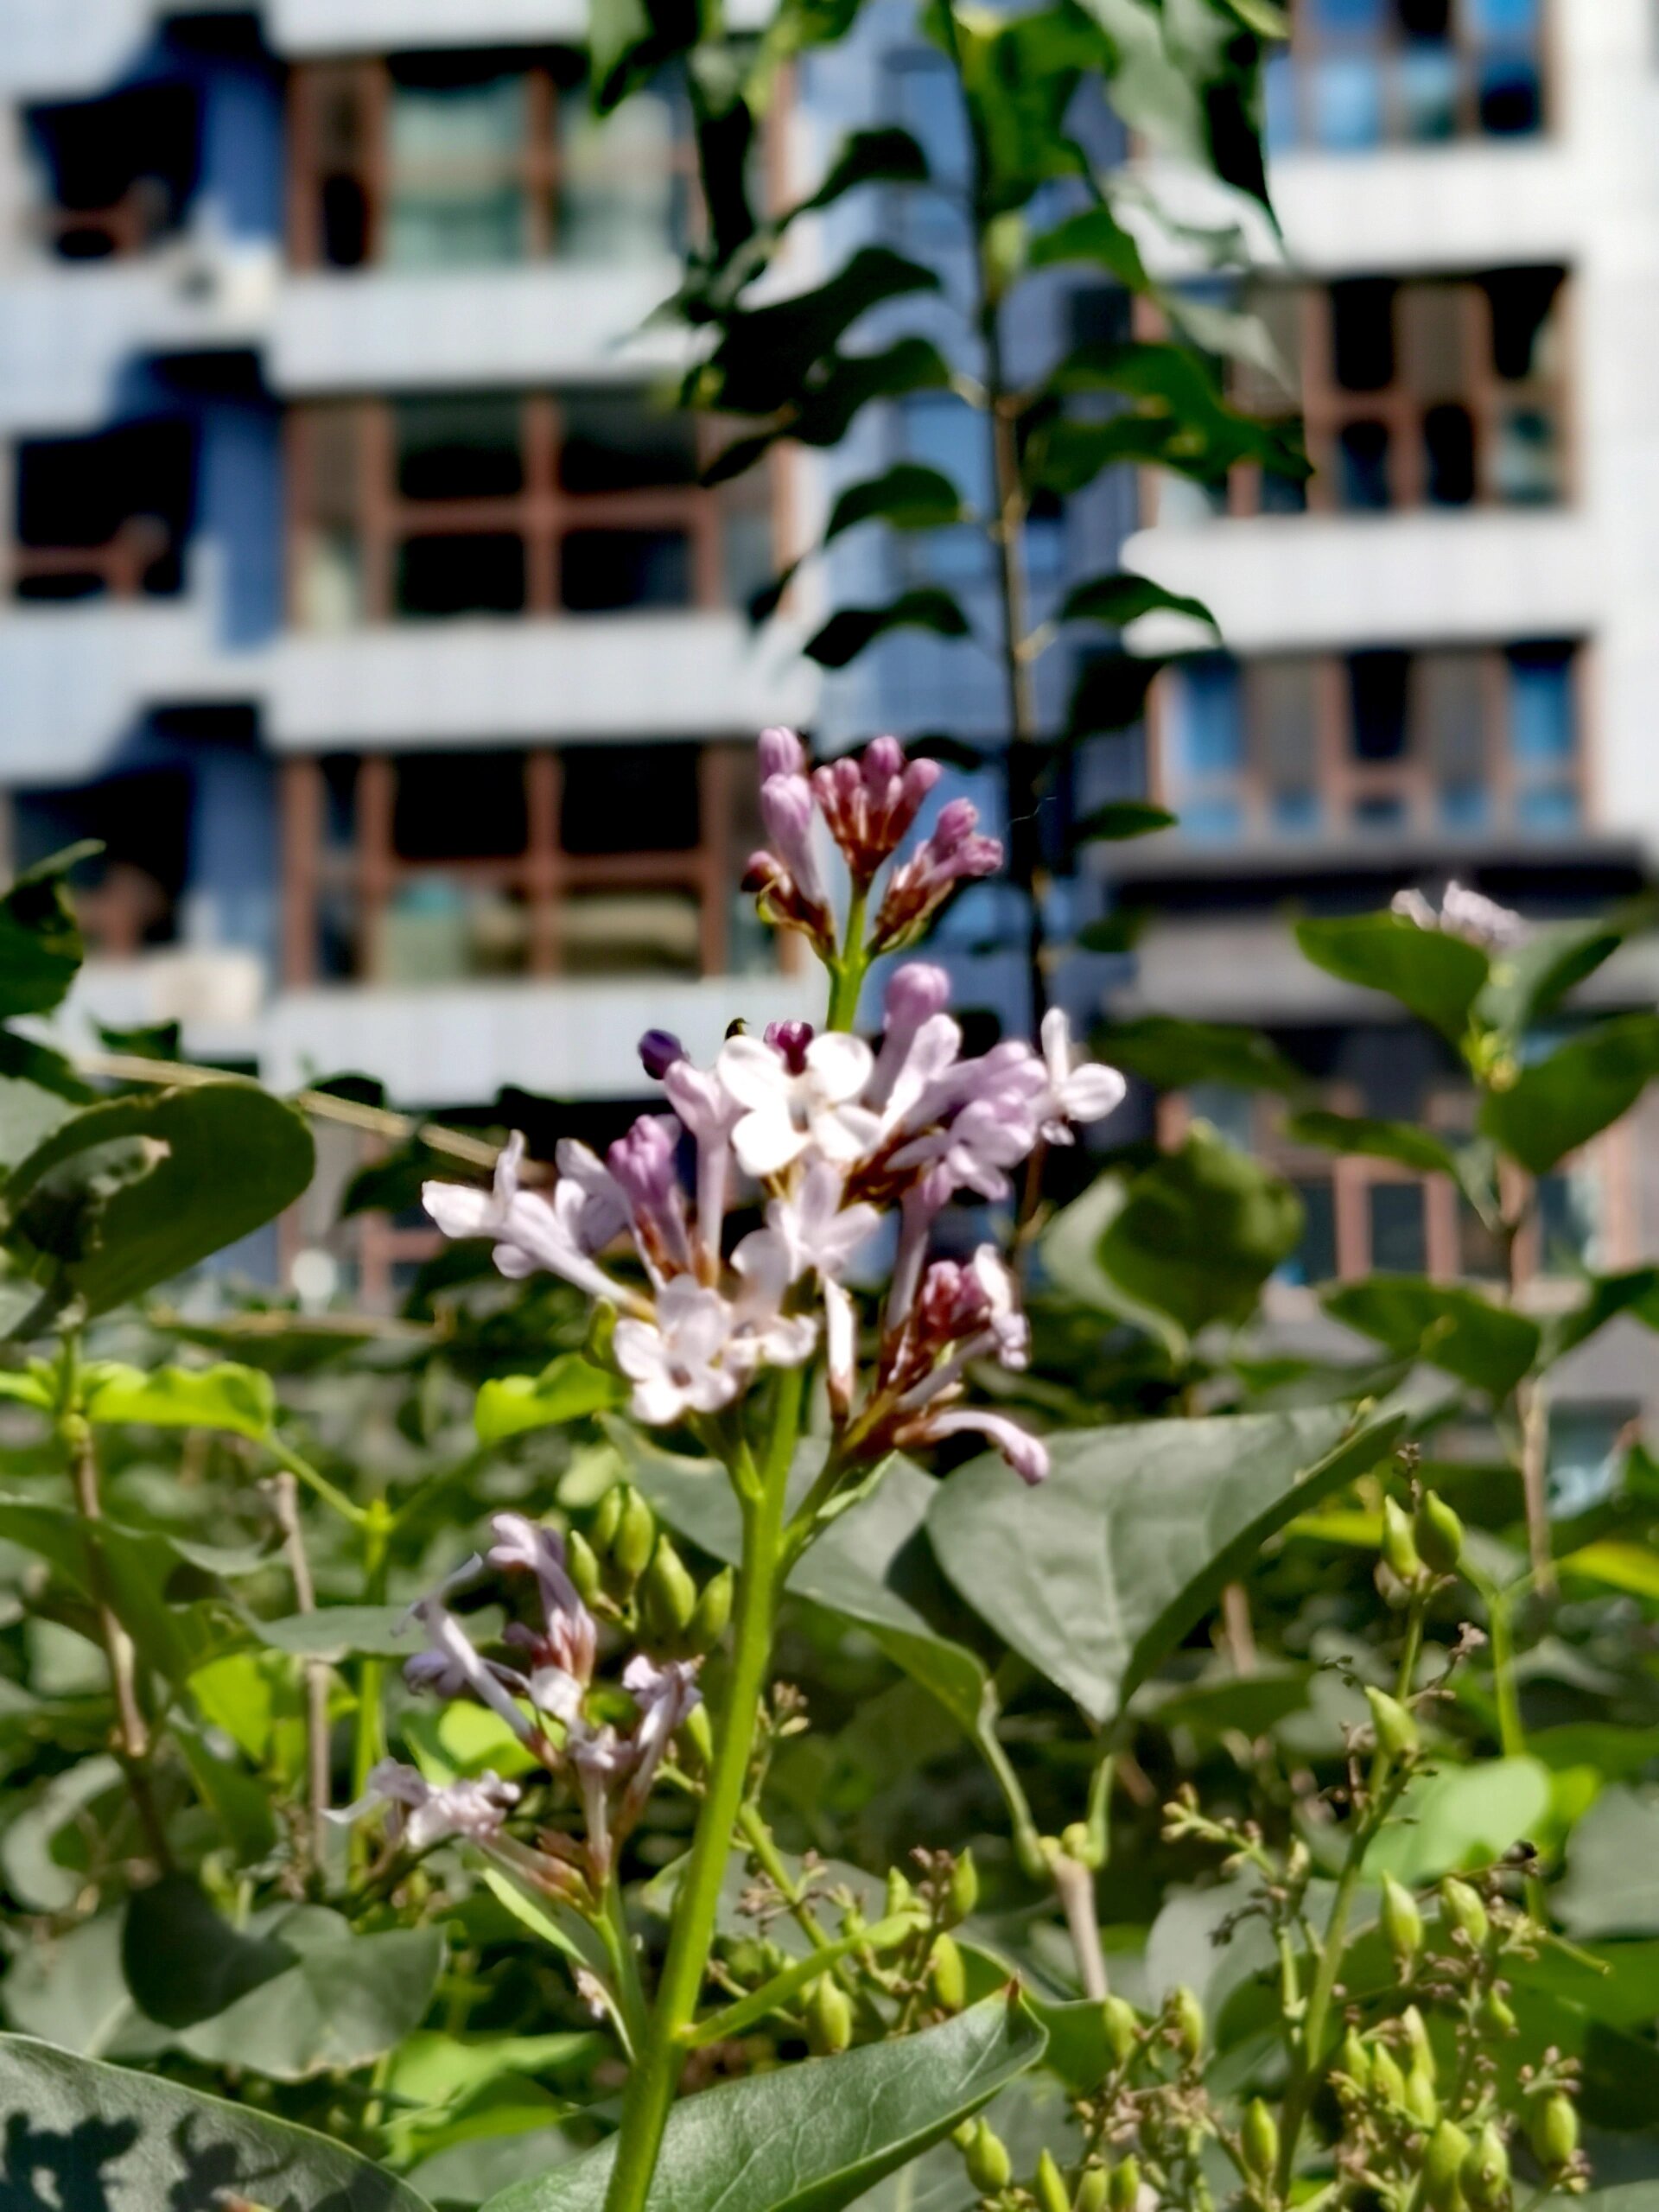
286, 1491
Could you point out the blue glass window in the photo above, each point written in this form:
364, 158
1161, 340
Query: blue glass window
1278, 85
945, 433
1464, 806
1216, 820
1541, 720
1550, 810
1399, 1236
1296, 814
1427, 82
1347, 103
1347, 15
1209, 724
1501, 19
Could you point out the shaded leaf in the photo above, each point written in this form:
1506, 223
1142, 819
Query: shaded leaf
1355, 1134
1606, 1297
1530, 978
105, 2135
1200, 1231
1453, 1329
39, 1091
40, 939
889, 155
1173, 1055
1122, 818
762, 362
812, 2137
336, 1632
1584, 1086
1097, 1575
567, 1390
1455, 1817
1118, 600
1095, 235
1433, 974
1611, 1885
847, 633
1110, 692
909, 496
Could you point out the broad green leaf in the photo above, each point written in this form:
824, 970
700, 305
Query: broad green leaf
240, 1400
295, 1994
1453, 1329
195, 1169
1110, 692
1584, 1086
1095, 1576
1353, 1134
240, 1802
1528, 979
569, 1390
40, 939
1120, 819
136, 1565
1435, 976
907, 496
1633, 1568
762, 361
811, 2137
847, 633
1200, 1231
1173, 1055
1118, 600
336, 1632
1606, 1297
1095, 235
886, 157
1611, 1885
81, 2133
43, 1846
1455, 1817
39, 1091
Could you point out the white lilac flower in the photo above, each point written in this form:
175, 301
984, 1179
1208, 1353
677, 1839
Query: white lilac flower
1027, 1454
421, 1814
665, 1693
815, 1231
790, 1107
916, 992
1468, 914
530, 1232
763, 1335
569, 1638
1077, 1091
709, 1113
674, 1362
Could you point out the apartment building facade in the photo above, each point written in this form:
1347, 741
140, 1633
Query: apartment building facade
1441, 657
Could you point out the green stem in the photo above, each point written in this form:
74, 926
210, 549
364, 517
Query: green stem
751, 1827
625, 1965
652, 2083
1511, 1732
1311, 2055
318, 1485
370, 1743
849, 971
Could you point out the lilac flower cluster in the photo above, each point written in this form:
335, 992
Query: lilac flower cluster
1467, 914
833, 1134
544, 1696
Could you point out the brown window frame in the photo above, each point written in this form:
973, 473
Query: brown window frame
371, 870
538, 164
1309, 46
1341, 780
542, 513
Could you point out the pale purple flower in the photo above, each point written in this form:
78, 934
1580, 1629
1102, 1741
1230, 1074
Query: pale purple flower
603, 1213
645, 1165
763, 1335
916, 992
787, 810
786, 1114
451, 1666
709, 1112
919, 886
1467, 914
1027, 1454
920, 1208
986, 1137
665, 1693
815, 1229
531, 1232
569, 1637
870, 804
781, 753
421, 1814
840, 1346
599, 1758
1078, 1091
674, 1360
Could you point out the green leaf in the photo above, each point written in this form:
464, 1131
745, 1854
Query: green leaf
240, 1400
1584, 1086
811, 2137
40, 939
193, 1169
847, 633
1097, 1574
569, 1390
762, 362
1455, 1817
1110, 692
885, 156
336, 1632
1355, 1134
908, 496
1453, 1329
39, 1091
1199, 1232
295, 1994
106, 2136
1435, 976
136, 1566
1611, 1885
1120, 819
1173, 1055
1118, 600
1094, 235
1530, 978
1606, 1297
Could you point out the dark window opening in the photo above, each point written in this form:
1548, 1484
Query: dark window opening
1364, 449
460, 806
615, 444
459, 449
1449, 444
482, 574
1377, 691
1362, 324
602, 571
121, 170
631, 799
105, 514
1399, 1232
126, 896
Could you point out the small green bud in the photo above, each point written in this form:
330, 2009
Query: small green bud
1049, 2186
1124, 2191
961, 1891
1186, 2016
901, 1897
1438, 1532
1463, 1909
1388, 2082
1555, 2132
1355, 2061
1422, 2050
1258, 2139
1485, 2171
1091, 2191
989, 2167
949, 1974
714, 1611
583, 1565
963, 2136
1077, 1843
829, 2017
1420, 2100
607, 1519
1398, 1547
1448, 2146
635, 1539
1496, 2015
668, 1596
1397, 1732
598, 1345
1123, 2025
1402, 1924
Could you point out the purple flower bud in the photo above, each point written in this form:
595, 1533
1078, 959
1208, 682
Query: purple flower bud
658, 1050
884, 757
790, 1039
914, 992
786, 809
781, 753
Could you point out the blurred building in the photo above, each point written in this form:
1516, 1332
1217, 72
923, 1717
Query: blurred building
1442, 653
359, 594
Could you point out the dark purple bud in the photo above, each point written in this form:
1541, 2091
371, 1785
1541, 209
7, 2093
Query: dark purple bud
658, 1050
790, 1040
